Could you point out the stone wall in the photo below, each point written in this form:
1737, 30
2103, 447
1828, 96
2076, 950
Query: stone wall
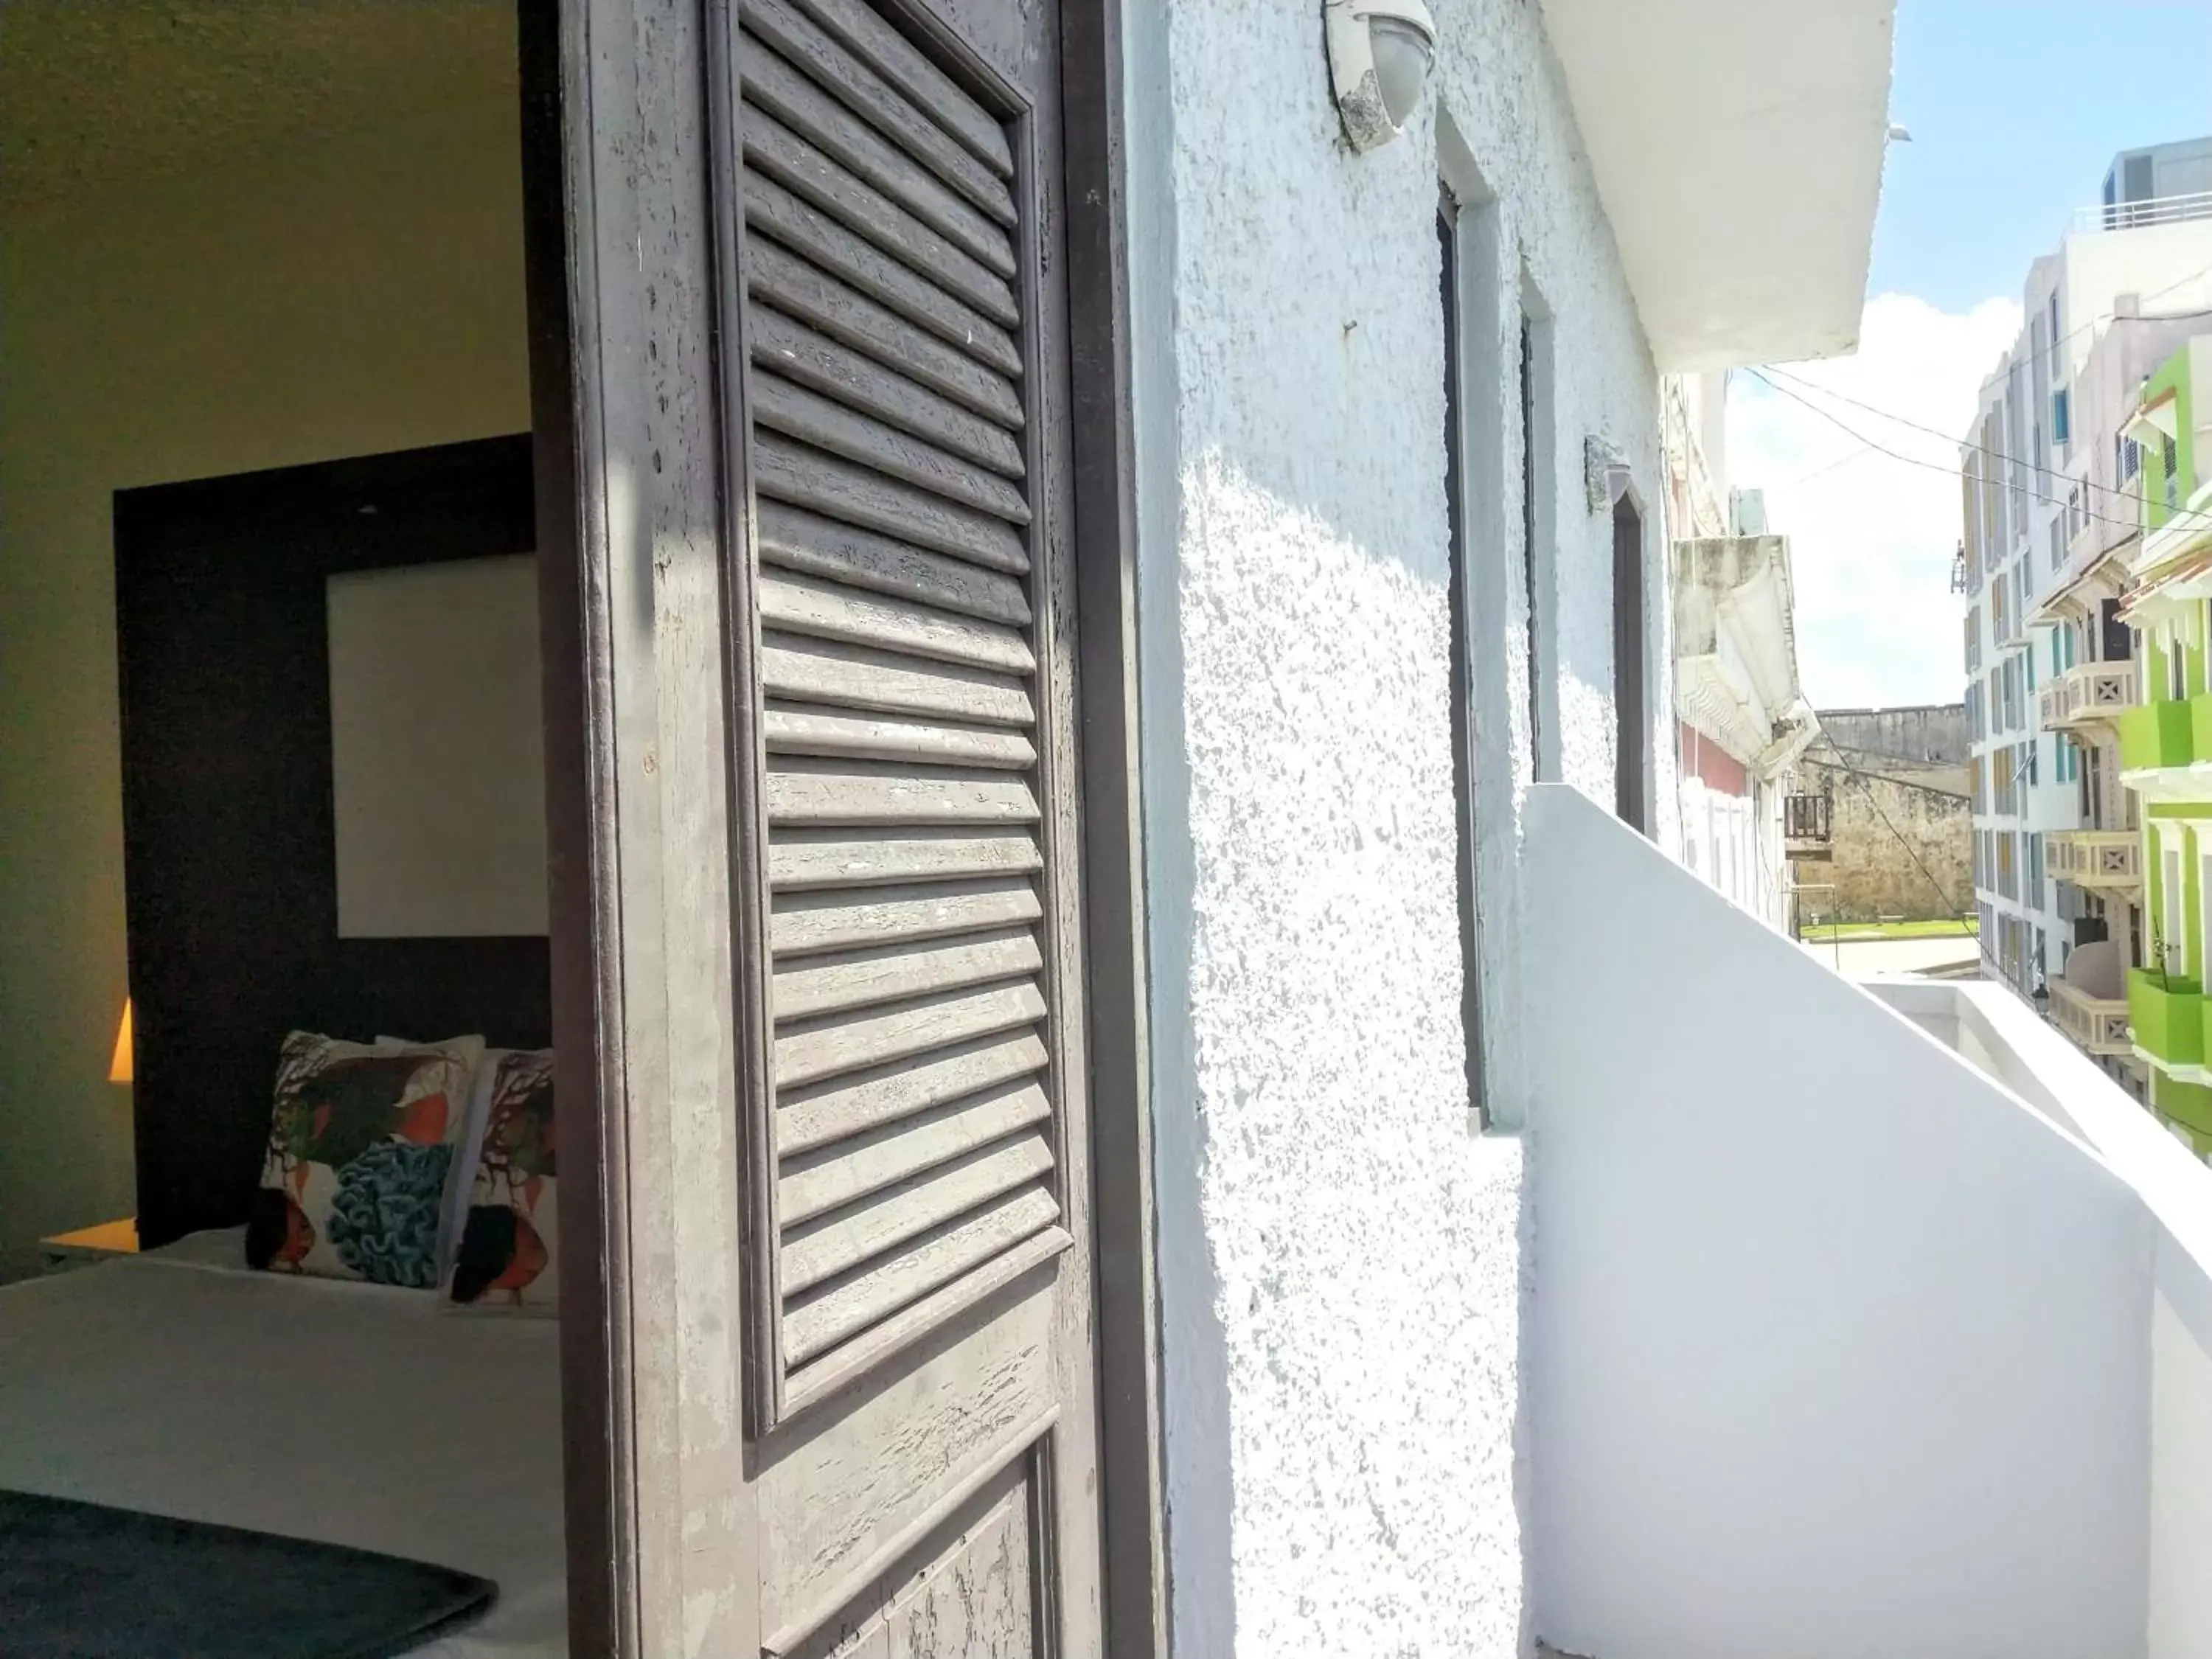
1933, 734
1902, 818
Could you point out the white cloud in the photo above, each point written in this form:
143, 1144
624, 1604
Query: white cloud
1872, 538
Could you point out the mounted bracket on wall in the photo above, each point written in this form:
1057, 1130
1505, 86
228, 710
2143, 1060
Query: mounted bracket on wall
1606, 475
1379, 54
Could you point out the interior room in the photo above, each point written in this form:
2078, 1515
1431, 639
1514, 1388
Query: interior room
279, 1196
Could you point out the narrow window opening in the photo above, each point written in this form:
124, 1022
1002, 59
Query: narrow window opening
2170, 955
1461, 631
1631, 746
1529, 452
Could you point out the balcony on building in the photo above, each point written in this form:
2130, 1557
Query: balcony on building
2146, 214
1809, 827
2101, 860
1736, 649
2168, 1013
2088, 695
2089, 1000
2157, 737
1917, 1335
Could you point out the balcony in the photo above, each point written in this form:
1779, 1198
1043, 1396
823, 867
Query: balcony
2097, 1024
2096, 859
1891, 1334
2168, 1015
2088, 694
1807, 831
2140, 215
2156, 735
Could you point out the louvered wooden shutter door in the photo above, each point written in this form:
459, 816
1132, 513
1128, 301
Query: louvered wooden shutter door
902, 776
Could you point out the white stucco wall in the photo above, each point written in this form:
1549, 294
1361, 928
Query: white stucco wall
1733, 844
1859, 1364
1342, 1252
1999, 1034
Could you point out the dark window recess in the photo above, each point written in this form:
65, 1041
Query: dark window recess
1804, 818
1528, 541
1463, 722
1631, 736
2119, 639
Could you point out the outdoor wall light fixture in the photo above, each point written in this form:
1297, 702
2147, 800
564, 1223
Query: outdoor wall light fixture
1379, 53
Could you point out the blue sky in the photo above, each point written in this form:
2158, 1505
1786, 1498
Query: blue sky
2015, 107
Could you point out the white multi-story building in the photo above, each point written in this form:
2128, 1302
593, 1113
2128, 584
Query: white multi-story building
2147, 247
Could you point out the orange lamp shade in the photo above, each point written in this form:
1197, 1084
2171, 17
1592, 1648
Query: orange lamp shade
118, 1069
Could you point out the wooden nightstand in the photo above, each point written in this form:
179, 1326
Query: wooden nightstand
86, 1245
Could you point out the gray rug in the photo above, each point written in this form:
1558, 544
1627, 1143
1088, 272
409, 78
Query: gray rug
82, 1581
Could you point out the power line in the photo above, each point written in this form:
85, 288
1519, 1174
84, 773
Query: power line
1951, 472
2131, 525
1902, 783
1837, 464
1979, 449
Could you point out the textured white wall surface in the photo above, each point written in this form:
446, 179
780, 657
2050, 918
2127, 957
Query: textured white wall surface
1733, 844
2180, 1454
1858, 1366
1344, 1276
1999, 1034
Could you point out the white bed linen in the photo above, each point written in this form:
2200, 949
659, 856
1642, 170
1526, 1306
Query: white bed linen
181, 1383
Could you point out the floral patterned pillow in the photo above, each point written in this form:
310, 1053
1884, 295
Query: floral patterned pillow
361, 1146
511, 1237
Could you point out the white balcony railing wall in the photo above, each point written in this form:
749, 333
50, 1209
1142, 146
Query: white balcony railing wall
2097, 858
1858, 1338
2097, 1024
2088, 691
2173, 1283
2135, 215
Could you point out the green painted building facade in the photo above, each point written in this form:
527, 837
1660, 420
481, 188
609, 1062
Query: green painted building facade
2166, 743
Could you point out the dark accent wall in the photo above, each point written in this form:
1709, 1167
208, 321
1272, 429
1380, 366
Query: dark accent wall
229, 851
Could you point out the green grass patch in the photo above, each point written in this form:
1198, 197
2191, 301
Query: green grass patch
1845, 931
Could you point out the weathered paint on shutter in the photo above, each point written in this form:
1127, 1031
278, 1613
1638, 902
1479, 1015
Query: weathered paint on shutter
913, 1118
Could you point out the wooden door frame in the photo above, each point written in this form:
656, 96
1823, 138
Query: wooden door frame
631, 454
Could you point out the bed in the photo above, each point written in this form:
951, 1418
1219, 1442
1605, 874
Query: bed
181, 1383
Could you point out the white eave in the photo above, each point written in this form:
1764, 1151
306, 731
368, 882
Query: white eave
1736, 664
2173, 561
1738, 147
2085, 583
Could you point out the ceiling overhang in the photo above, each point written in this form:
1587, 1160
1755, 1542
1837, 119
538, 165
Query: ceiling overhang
136, 93
2085, 587
2185, 581
1738, 147
1713, 702
1736, 641
2162, 415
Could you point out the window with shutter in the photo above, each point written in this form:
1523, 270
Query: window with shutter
910, 795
